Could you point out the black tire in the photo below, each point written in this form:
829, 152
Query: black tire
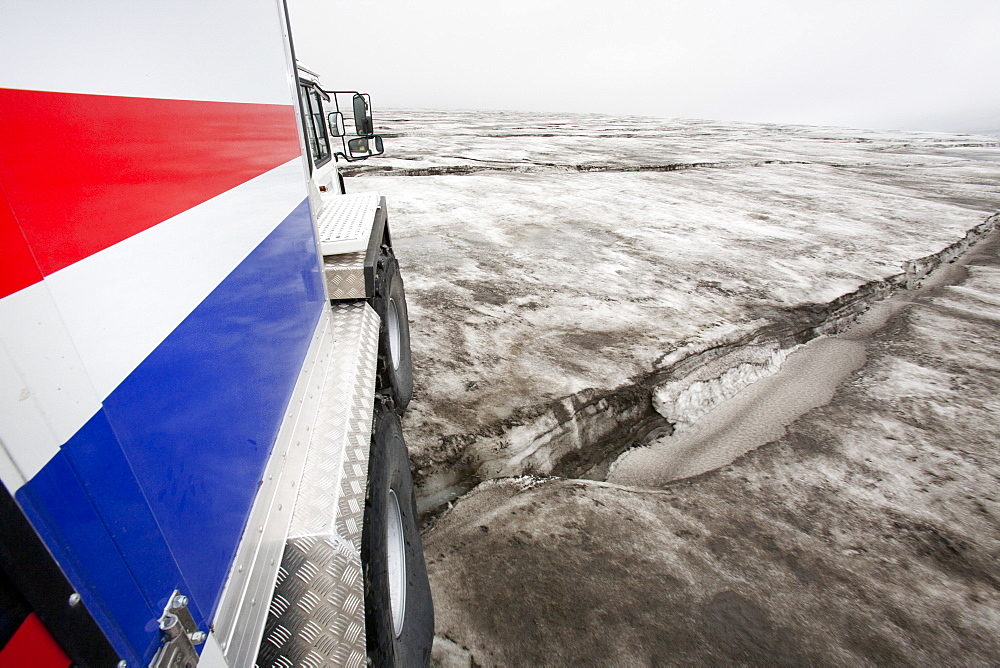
389, 479
395, 368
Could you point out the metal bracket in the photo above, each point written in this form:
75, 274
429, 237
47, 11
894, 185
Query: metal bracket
180, 635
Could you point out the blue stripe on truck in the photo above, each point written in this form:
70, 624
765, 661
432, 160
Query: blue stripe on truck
195, 423
76, 535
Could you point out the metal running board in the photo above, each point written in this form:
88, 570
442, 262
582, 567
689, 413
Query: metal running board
345, 222
317, 614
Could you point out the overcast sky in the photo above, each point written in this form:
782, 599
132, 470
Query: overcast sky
906, 64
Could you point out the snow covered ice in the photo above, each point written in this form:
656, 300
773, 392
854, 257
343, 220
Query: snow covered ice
582, 285
555, 262
864, 534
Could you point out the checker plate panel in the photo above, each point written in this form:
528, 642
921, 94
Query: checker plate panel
345, 275
345, 223
316, 616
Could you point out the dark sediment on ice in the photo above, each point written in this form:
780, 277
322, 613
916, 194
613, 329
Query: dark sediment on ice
580, 435
534, 167
866, 535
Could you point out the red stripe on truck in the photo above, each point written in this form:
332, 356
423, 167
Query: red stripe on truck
83, 172
33, 645
17, 266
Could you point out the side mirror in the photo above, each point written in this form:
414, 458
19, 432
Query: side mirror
363, 116
335, 120
365, 147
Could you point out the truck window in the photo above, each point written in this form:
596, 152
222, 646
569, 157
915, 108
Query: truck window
316, 132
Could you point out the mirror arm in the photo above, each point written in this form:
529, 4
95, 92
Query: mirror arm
350, 159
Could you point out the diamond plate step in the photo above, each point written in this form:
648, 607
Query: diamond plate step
345, 222
316, 616
345, 276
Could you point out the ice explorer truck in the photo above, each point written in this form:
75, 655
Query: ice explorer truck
204, 351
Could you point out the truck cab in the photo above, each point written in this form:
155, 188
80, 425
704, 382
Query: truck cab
330, 135
324, 177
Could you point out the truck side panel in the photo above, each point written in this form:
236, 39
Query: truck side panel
161, 296
194, 423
